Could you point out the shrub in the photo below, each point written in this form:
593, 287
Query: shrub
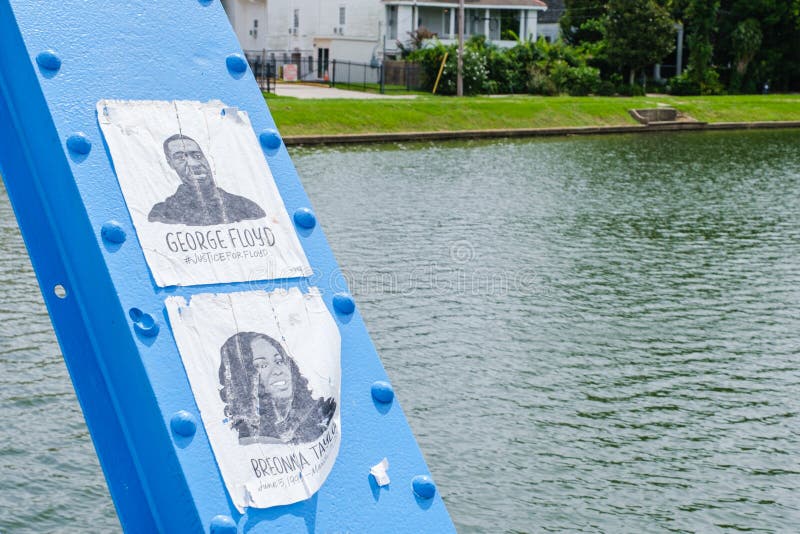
583, 80
560, 73
686, 84
430, 58
539, 83
626, 89
504, 74
535, 67
606, 88
682, 86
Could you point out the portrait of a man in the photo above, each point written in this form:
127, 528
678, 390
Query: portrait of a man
198, 200
267, 399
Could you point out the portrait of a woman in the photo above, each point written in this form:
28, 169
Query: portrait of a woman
267, 399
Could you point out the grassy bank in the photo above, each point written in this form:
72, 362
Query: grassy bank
427, 113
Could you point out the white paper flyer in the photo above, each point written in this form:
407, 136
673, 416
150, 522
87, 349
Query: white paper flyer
265, 372
201, 196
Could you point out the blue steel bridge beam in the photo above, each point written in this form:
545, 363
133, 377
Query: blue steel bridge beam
64, 251
63, 188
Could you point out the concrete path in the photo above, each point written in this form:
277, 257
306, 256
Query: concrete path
320, 91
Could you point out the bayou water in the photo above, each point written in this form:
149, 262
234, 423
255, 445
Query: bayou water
586, 334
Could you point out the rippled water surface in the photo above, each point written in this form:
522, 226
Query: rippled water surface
587, 334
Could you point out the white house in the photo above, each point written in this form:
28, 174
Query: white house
349, 30
548, 21
355, 30
500, 21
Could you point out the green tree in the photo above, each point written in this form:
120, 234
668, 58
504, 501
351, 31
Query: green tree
776, 60
746, 41
637, 33
582, 21
701, 22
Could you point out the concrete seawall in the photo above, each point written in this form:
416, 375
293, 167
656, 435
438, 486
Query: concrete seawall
295, 140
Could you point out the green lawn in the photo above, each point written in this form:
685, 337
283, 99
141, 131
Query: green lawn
436, 113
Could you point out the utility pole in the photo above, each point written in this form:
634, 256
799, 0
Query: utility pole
460, 75
383, 66
679, 56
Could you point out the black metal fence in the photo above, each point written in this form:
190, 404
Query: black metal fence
352, 75
386, 77
263, 69
389, 77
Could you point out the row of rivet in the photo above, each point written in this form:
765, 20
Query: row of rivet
183, 423
80, 144
49, 61
422, 486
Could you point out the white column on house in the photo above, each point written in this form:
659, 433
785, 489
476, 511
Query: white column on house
452, 23
486, 24
414, 17
404, 22
262, 30
523, 24
532, 18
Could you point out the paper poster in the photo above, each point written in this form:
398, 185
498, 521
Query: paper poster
201, 196
265, 372
290, 73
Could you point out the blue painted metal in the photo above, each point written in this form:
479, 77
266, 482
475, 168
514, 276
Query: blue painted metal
113, 232
144, 323
423, 486
48, 60
343, 303
270, 139
78, 143
382, 392
305, 218
237, 65
223, 524
127, 374
183, 423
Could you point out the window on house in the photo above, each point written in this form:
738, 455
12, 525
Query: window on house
296, 23
391, 16
342, 17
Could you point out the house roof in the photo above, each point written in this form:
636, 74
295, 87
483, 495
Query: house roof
535, 4
555, 9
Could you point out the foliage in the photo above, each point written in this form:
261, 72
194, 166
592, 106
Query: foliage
582, 21
637, 33
416, 41
745, 42
777, 59
474, 71
528, 67
730, 46
561, 68
701, 16
606, 88
689, 83
516, 65
583, 80
626, 89
683, 85
733, 45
